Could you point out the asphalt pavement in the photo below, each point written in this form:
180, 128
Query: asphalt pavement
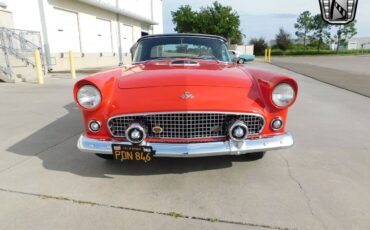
347, 72
320, 183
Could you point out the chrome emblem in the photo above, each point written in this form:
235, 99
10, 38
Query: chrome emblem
157, 129
187, 95
216, 129
338, 11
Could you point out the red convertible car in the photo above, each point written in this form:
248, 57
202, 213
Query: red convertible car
184, 97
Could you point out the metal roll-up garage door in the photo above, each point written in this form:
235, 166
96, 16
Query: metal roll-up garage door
127, 38
66, 34
103, 36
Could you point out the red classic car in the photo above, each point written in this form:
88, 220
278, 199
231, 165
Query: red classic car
184, 97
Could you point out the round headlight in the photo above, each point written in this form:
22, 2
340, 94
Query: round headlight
283, 95
88, 96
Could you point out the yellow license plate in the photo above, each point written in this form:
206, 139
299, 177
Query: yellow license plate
132, 153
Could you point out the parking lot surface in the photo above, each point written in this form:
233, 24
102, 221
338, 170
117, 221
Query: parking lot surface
347, 72
320, 183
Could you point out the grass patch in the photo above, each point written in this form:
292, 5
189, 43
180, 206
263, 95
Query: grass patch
277, 52
315, 52
175, 214
213, 220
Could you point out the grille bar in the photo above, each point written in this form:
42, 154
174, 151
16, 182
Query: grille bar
186, 125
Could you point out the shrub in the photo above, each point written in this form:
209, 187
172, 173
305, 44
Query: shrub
260, 45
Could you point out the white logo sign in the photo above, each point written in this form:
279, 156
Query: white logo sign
338, 11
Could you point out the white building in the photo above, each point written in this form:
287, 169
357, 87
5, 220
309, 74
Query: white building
359, 43
100, 32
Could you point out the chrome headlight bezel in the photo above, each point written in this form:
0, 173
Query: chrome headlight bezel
283, 95
89, 97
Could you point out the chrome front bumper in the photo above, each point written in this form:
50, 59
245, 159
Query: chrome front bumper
194, 149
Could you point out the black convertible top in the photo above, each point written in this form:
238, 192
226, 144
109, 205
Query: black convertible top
182, 35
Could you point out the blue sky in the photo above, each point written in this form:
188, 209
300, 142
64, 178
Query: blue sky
263, 18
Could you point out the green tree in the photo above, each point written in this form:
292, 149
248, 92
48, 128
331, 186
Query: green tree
321, 31
260, 45
216, 19
304, 26
344, 33
283, 40
185, 20
314, 43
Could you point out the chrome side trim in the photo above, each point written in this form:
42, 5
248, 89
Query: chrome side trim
89, 145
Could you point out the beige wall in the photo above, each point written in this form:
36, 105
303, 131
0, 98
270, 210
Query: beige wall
26, 15
87, 16
6, 18
244, 49
87, 61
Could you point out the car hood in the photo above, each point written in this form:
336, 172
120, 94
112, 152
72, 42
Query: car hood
199, 73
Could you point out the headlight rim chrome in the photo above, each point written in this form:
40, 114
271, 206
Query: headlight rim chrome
138, 127
91, 129
235, 124
281, 84
98, 93
277, 119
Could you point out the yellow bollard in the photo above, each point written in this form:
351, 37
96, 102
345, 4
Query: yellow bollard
38, 65
265, 55
269, 56
72, 64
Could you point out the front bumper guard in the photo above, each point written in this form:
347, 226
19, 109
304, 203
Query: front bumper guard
90, 145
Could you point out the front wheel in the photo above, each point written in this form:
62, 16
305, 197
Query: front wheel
255, 156
241, 61
105, 156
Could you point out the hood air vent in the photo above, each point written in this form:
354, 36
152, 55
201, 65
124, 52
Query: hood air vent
184, 63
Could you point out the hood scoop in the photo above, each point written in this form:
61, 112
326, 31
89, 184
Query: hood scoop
184, 63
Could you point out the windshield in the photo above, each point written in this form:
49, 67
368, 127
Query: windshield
181, 47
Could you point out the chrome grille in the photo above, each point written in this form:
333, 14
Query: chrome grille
186, 125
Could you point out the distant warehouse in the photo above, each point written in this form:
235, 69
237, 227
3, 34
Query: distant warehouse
357, 43
100, 32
